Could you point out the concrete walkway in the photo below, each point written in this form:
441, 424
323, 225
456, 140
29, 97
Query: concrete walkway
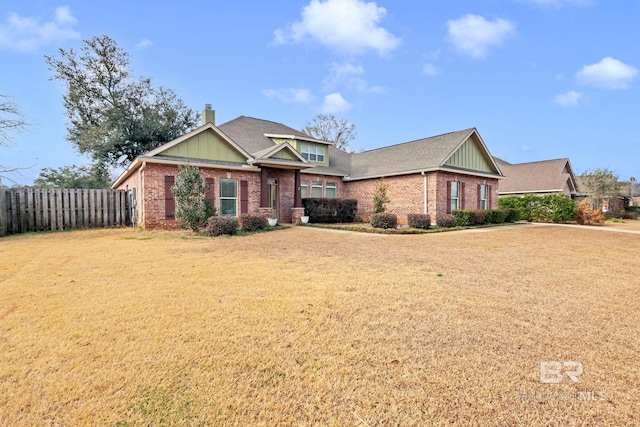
591, 227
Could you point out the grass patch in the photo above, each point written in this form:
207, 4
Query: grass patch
306, 327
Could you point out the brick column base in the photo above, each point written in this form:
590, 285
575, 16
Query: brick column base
296, 214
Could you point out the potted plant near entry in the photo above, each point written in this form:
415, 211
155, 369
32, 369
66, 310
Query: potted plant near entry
304, 219
272, 221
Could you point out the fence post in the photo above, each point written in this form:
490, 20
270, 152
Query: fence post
3, 212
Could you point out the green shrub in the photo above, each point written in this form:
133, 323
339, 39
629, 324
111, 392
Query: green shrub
510, 215
219, 225
495, 216
479, 217
464, 217
190, 191
330, 210
422, 221
252, 222
549, 208
384, 220
380, 198
445, 220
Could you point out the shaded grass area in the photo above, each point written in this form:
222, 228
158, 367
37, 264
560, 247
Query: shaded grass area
305, 327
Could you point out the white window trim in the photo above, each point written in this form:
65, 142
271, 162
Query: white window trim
229, 198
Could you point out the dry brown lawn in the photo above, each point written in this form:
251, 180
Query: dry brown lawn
313, 327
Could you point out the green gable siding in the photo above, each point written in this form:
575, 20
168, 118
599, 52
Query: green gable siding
284, 154
469, 156
206, 145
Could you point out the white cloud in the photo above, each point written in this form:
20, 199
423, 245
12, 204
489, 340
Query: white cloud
473, 34
349, 26
289, 96
144, 43
347, 74
525, 148
335, 103
559, 2
569, 99
430, 70
27, 34
607, 74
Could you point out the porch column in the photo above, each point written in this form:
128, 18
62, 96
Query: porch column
264, 188
297, 195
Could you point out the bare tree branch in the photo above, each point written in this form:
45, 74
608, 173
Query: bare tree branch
11, 119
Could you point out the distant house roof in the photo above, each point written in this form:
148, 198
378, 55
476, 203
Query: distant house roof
546, 176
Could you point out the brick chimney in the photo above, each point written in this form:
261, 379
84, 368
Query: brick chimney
208, 115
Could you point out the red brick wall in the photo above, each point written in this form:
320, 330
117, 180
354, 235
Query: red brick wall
406, 193
153, 199
438, 186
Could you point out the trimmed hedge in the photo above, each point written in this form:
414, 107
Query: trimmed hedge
219, 225
384, 220
511, 215
422, 221
330, 210
549, 208
464, 218
252, 222
496, 216
445, 220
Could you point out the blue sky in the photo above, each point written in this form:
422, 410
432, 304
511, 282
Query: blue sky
540, 79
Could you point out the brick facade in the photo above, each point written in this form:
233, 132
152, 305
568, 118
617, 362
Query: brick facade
406, 193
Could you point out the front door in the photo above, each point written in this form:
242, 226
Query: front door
273, 198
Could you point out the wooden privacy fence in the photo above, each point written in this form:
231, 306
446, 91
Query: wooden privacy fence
37, 209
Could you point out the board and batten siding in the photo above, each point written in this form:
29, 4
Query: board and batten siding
206, 145
469, 156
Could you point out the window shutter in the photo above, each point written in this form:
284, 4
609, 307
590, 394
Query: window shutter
210, 195
448, 197
461, 195
489, 197
169, 201
244, 197
479, 195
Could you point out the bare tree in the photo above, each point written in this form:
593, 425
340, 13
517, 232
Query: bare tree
327, 128
11, 119
11, 122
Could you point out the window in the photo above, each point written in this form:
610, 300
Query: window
304, 189
331, 190
313, 154
482, 196
455, 195
228, 197
316, 189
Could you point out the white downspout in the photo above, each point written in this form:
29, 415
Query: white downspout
140, 197
426, 194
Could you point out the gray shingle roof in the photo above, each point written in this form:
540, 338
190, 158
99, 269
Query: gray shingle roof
541, 176
424, 153
249, 132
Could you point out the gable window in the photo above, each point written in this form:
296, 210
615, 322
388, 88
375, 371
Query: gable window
229, 197
331, 190
304, 189
313, 154
316, 189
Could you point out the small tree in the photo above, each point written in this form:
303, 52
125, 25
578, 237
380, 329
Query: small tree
380, 198
192, 206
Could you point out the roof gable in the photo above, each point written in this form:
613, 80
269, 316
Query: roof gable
473, 156
538, 177
206, 142
424, 154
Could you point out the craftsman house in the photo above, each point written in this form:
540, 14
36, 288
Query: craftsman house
539, 178
259, 166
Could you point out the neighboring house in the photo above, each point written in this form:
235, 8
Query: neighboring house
540, 178
259, 166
